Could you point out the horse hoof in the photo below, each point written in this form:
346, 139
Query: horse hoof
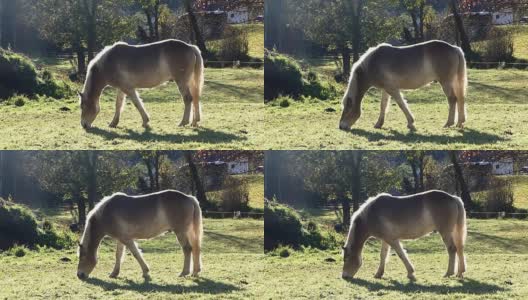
447, 275
184, 274
147, 126
194, 124
411, 127
447, 125
411, 277
113, 125
196, 274
461, 276
147, 277
460, 125
182, 124
113, 275
378, 276
378, 126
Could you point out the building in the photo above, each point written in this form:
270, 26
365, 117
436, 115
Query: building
236, 14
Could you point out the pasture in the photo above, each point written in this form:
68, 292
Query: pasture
231, 103
232, 255
496, 103
495, 249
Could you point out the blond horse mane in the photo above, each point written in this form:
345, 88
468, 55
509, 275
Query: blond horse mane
363, 209
96, 211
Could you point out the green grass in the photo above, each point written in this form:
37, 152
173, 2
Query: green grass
496, 105
520, 40
255, 38
496, 250
232, 109
232, 255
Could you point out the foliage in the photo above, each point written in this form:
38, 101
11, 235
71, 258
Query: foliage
499, 196
234, 45
498, 47
283, 226
284, 76
19, 226
20, 76
235, 194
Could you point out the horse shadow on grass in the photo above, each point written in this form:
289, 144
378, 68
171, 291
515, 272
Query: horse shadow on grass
467, 286
202, 285
469, 136
204, 135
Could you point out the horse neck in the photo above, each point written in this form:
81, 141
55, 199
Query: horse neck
94, 85
94, 237
358, 237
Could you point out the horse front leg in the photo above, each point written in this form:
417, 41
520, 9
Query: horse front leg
138, 103
120, 251
403, 256
384, 255
120, 105
385, 101
402, 103
451, 251
187, 100
131, 245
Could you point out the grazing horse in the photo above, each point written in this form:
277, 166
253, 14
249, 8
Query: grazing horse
392, 68
128, 67
126, 218
390, 219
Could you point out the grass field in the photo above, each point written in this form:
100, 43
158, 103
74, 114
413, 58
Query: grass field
520, 190
232, 108
520, 41
497, 115
496, 251
232, 255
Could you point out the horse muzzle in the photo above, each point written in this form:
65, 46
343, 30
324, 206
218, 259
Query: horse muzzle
82, 276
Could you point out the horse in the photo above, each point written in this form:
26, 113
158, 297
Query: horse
392, 68
126, 218
127, 67
390, 219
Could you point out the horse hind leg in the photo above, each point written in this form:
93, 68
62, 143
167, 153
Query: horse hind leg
384, 255
385, 101
187, 101
459, 243
452, 100
451, 251
196, 255
187, 250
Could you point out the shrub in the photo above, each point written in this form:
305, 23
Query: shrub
284, 76
234, 45
17, 100
500, 196
18, 226
285, 102
20, 76
498, 46
283, 226
235, 196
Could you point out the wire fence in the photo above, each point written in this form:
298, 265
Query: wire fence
232, 215
474, 214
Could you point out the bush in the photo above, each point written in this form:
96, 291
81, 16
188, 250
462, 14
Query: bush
500, 196
498, 46
18, 226
285, 102
234, 45
235, 196
20, 76
284, 76
283, 226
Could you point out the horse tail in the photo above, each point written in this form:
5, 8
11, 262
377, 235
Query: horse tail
197, 80
461, 229
462, 80
197, 224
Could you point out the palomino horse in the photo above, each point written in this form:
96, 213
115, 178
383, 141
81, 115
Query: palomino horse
127, 68
391, 218
126, 218
394, 68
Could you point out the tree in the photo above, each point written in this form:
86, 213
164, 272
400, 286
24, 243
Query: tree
9, 10
416, 160
194, 25
466, 46
200, 191
465, 195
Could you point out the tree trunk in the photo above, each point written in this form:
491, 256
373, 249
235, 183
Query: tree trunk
356, 28
8, 24
157, 169
466, 46
156, 20
150, 172
345, 52
150, 25
81, 60
81, 208
356, 179
421, 159
422, 16
465, 195
412, 12
194, 25
90, 10
345, 203
200, 191
412, 162
91, 161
